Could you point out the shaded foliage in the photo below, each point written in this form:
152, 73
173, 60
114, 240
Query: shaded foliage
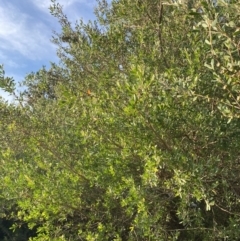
135, 135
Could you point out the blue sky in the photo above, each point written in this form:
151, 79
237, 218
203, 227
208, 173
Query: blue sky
26, 27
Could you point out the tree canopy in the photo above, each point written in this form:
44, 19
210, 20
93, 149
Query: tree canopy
134, 135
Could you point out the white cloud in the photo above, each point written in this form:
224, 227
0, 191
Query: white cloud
10, 62
5, 96
22, 34
74, 9
44, 4
25, 33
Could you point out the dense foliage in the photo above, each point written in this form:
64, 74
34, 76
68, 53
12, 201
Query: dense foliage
135, 134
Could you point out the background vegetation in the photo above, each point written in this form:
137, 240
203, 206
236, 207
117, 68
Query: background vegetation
134, 135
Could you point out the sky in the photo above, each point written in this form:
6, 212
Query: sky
26, 29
